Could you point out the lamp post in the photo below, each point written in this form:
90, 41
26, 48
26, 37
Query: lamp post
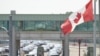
79, 42
4, 29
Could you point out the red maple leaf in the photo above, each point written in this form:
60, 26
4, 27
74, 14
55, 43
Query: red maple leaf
78, 16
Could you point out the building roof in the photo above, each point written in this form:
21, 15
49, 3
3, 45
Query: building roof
24, 17
34, 16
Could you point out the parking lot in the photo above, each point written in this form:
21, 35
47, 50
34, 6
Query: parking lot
28, 48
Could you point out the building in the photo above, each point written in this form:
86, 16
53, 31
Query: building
46, 23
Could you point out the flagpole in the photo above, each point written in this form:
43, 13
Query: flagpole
94, 30
61, 37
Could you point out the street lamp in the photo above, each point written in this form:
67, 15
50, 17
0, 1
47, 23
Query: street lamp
4, 28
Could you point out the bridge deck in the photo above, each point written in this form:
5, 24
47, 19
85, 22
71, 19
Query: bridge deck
48, 35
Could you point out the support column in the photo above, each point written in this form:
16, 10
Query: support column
14, 43
12, 37
66, 46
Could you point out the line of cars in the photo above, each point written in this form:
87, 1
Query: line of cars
29, 47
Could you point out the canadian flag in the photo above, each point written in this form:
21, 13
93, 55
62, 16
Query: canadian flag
83, 15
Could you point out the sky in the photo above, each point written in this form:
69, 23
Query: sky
42, 6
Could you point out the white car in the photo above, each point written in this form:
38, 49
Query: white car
48, 46
33, 52
28, 48
51, 45
6, 48
53, 52
57, 50
24, 43
39, 42
2, 49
